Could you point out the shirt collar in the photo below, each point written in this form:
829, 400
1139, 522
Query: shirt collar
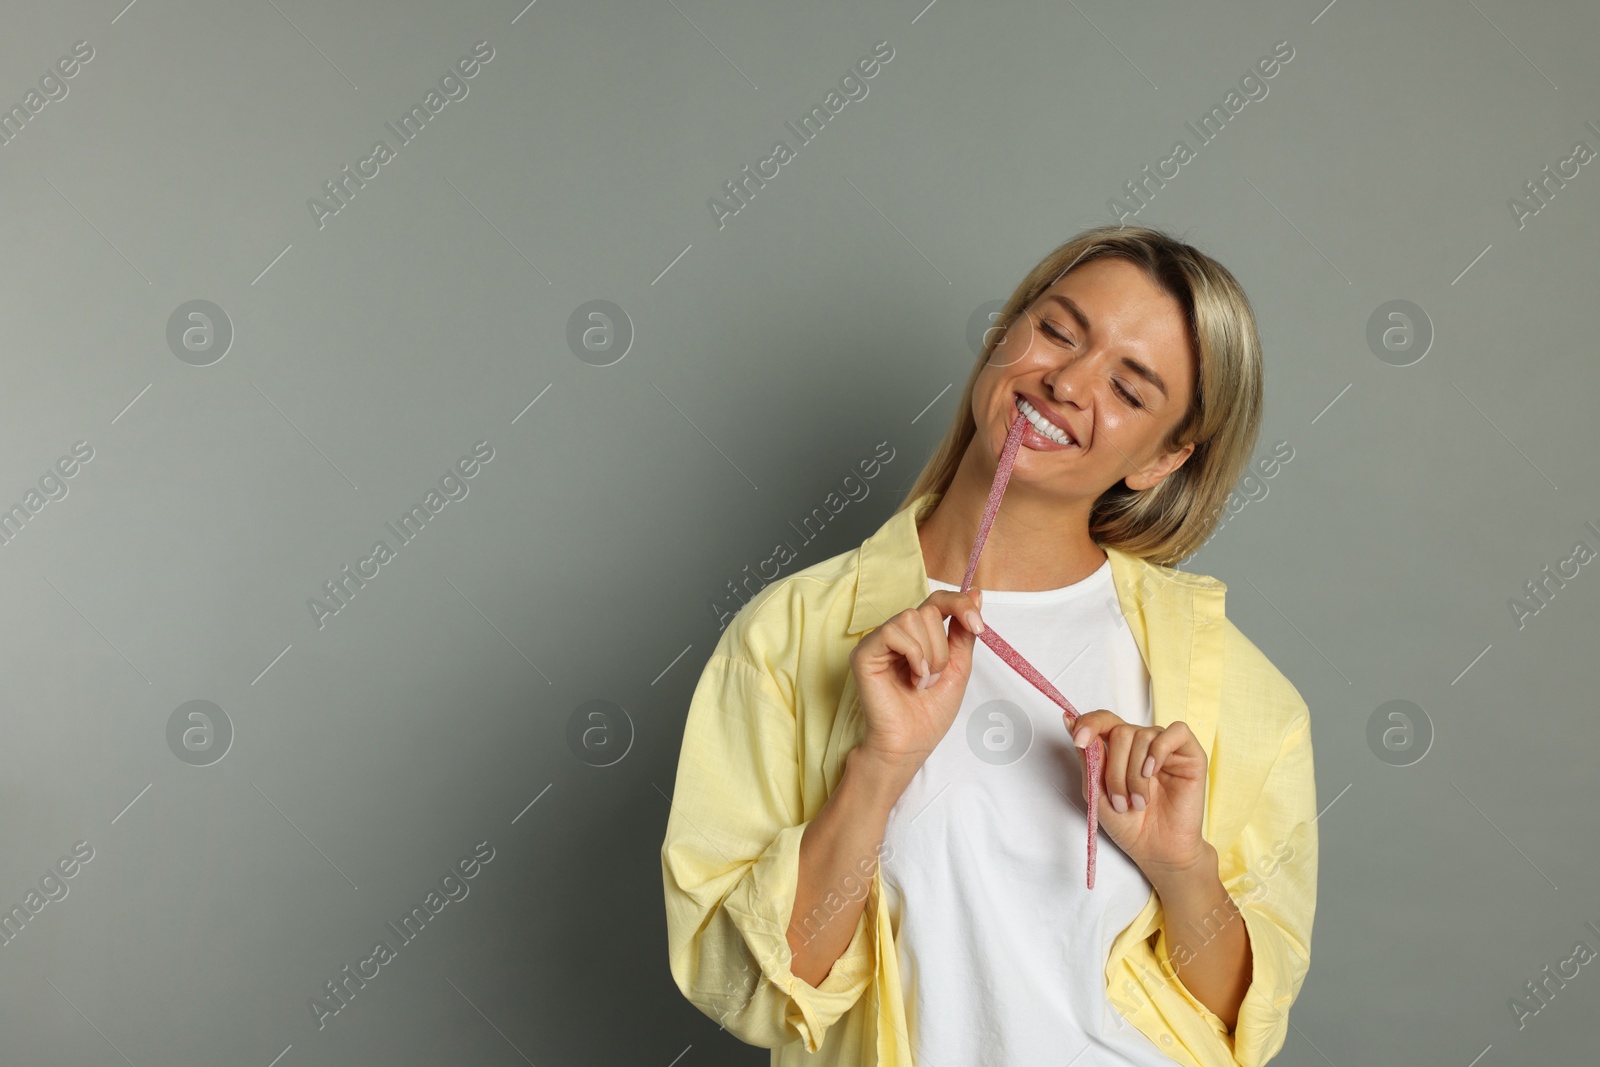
1176, 617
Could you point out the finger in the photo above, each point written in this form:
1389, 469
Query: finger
1086, 730
961, 609
1095, 722
936, 640
966, 607
1140, 766
1176, 740
1119, 740
905, 637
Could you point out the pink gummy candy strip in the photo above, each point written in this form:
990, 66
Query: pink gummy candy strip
1094, 755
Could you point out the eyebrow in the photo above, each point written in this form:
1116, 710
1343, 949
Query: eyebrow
1142, 370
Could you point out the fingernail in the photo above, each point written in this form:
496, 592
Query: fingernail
1149, 767
974, 623
934, 677
1081, 738
1119, 802
1138, 802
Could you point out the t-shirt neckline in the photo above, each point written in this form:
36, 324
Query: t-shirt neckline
1026, 597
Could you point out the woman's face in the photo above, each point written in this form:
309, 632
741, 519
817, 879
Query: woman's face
1103, 355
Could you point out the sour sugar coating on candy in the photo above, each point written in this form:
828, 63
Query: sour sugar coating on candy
1094, 755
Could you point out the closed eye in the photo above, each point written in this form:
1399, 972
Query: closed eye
1122, 390
1049, 328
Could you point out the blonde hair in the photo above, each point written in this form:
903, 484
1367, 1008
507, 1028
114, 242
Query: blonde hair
1169, 522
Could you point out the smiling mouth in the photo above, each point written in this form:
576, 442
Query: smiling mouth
1041, 425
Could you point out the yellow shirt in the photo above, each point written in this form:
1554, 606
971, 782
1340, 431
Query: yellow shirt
772, 718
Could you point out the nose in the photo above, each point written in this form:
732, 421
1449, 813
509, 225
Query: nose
1064, 384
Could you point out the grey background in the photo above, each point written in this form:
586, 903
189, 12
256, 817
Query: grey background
769, 357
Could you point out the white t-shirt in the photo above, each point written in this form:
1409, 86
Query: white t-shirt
1002, 946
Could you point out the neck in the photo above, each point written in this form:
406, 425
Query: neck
1037, 541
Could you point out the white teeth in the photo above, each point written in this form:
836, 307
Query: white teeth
1045, 427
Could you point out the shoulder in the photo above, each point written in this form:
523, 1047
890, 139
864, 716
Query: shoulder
1254, 687
1187, 579
1253, 684
806, 596
796, 623
1151, 578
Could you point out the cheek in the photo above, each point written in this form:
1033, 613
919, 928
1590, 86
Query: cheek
982, 393
991, 393
1117, 429
1129, 443
1014, 346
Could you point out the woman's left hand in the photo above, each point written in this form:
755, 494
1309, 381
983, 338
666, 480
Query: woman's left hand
1159, 826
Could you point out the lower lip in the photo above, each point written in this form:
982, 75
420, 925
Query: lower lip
1033, 438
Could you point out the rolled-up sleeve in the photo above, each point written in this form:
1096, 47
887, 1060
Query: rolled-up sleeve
730, 865
1271, 874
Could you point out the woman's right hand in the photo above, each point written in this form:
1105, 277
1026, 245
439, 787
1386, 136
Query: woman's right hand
906, 713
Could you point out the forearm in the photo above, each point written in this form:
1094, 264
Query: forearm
1206, 936
838, 853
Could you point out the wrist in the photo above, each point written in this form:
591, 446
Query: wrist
1199, 869
882, 778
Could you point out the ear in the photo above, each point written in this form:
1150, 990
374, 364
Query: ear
1158, 471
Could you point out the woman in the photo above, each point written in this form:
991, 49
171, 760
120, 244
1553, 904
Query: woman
875, 850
